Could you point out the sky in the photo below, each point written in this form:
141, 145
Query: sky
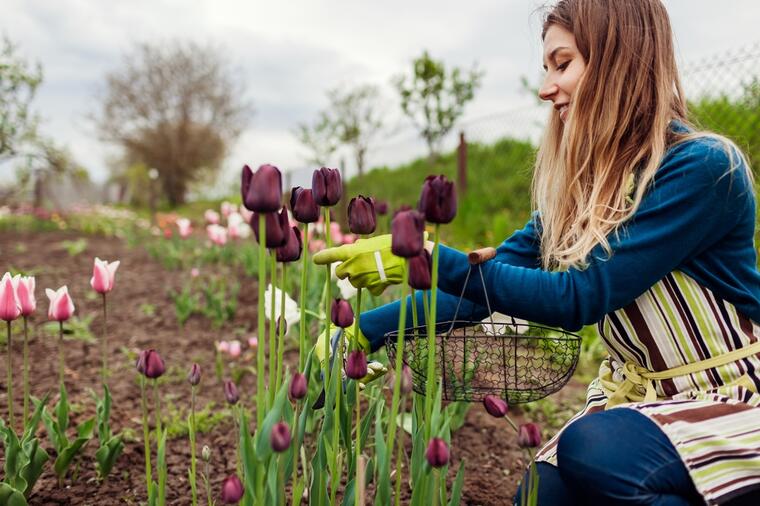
288, 54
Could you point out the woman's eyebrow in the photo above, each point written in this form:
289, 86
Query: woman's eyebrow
554, 51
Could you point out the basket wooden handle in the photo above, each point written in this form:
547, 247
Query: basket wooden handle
481, 255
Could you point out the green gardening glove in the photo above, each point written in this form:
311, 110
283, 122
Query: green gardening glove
367, 263
374, 369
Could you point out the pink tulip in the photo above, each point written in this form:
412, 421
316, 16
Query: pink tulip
103, 275
10, 308
349, 238
228, 208
217, 234
25, 293
234, 350
335, 234
223, 346
185, 227
246, 214
61, 305
253, 342
194, 272
316, 245
211, 217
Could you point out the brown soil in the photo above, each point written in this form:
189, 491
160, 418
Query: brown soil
493, 466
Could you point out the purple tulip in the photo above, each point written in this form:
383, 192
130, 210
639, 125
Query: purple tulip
361, 215
302, 205
326, 186
356, 365
298, 388
401, 209
438, 200
420, 271
231, 392
381, 207
150, 365
291, 251
194, 376
495, 406
280, 437
277, 225
262, 190
407, 234
232, 490
529, 435
341, 313
437, 453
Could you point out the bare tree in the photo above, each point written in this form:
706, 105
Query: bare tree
356, 118
320, 138
176, 107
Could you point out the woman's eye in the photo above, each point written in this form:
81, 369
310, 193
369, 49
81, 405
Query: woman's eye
563, 66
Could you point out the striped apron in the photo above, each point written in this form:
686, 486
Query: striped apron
710, 414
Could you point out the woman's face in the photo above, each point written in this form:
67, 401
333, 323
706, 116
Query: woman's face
564, 67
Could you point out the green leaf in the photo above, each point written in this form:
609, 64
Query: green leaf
36, 459
263, 447
248, 456
62, 410
382, 452
67, 455
10, 496
107, 454
456, 488
34, 421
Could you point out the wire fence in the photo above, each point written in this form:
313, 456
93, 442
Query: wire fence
723, 91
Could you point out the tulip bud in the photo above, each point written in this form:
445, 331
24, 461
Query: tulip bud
361, 215
262, 190
341, 313
211, 217
407, 383
326, 186
61, 305
150, 364
298, 387
381, 207
437, 453
280, 437
438, 200
420, 271
194, 376
232, 490
206, 453
231, 392
401, 209
103, 275
529, 435
10, 308
185, 227
25, 293
235, 349
495, 406
302, 205
291, 251
277, 228
356, 365
407, 234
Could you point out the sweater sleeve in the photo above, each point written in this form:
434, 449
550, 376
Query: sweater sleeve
695, 200
521, 249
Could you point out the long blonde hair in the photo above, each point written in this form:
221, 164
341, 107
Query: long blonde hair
618, 127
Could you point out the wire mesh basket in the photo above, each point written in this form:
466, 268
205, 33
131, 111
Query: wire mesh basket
518, 362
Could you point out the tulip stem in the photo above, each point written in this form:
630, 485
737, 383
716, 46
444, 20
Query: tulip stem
208, 486
272, 328
10, 377
328, 299
358, 444
146, 434
26, 372
157, 400
415, 320
399, 359
338, 379
191, 430
104, 342
302, 301
399, 452
431, 351
295, 453
512, 423
260, 393
61, 358
355, 341
281, 324
436, 475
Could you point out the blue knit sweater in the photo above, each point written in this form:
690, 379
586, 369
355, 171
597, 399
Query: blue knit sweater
698, 217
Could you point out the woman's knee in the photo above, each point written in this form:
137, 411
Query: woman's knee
551, 488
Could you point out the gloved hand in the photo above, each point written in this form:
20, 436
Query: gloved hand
368, 263
374, 369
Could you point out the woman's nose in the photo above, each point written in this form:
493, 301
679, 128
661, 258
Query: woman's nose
548, 90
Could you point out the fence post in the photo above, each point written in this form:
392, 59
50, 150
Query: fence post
462, 164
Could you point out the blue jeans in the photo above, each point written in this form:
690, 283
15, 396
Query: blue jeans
618, 457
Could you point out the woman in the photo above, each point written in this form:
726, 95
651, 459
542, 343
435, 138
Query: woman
644, 226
